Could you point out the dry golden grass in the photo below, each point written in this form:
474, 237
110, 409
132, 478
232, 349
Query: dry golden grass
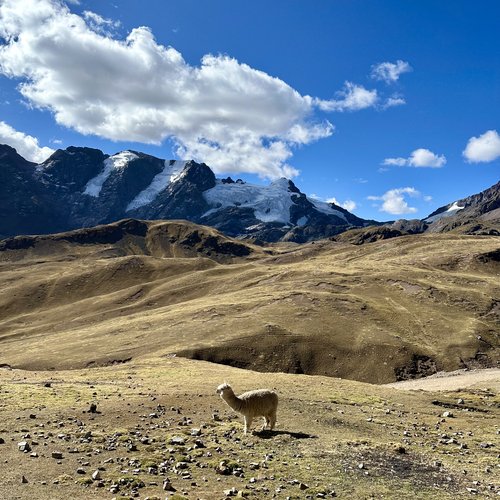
101, 322
326, 428
323, 308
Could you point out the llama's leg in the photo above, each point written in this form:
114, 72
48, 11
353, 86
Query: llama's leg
248, 423
267, 422
272, 420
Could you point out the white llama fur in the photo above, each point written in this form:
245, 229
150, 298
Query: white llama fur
258, 403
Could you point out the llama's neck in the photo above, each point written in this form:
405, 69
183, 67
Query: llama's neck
233, 401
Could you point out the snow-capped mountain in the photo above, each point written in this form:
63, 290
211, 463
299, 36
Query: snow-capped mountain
82, 187
478, 214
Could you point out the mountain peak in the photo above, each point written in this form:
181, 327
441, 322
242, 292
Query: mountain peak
80, 187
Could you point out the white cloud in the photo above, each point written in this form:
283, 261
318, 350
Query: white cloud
394, 201
351, 98
349, 205
223, 112
99, 23
419, 158
394, 100
484, 148
26, 145
390, 72
399, 162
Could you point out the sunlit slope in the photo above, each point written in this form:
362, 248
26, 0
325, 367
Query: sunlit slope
392, 309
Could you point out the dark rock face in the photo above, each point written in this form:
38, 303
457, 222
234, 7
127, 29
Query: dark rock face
183, 198
71, 169
26, 205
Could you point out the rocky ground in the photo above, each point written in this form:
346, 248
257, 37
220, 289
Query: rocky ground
157, 429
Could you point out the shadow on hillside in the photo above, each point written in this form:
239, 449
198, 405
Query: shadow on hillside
267, 434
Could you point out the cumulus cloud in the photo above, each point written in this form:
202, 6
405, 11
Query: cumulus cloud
223, 112
390, 72
26, 145
419, 158
484, 148
394, 202
351, 98
349, 205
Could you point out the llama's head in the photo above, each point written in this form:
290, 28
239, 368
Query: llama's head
223, 389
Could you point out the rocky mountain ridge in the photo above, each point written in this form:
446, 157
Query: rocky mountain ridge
82, 187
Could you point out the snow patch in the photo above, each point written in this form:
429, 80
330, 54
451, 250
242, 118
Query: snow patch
452, 210
270, 203
115, 162
325, 208
170, 173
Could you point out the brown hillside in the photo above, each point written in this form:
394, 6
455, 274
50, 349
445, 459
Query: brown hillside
390, 310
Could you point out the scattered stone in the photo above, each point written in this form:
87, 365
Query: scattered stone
81, 470
47, 384
93, 408
167, 485
232, 492
96, 475
223, 469
57, 455
24, 480
361, 466
24, 446
198, 443
178, 441
2, 441
447, 414
34, 455
485, 445
32, 416
460, 401
303, 486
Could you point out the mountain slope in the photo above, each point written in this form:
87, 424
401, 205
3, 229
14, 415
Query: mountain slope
25, 204
476, 214
391, 310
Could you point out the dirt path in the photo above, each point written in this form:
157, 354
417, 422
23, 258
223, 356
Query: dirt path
452, 381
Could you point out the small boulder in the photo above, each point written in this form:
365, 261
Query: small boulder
24, 446
167, 485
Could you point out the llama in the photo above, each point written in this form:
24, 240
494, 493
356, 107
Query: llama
258, 403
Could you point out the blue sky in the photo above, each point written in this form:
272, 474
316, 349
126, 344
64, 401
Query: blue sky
390, 107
